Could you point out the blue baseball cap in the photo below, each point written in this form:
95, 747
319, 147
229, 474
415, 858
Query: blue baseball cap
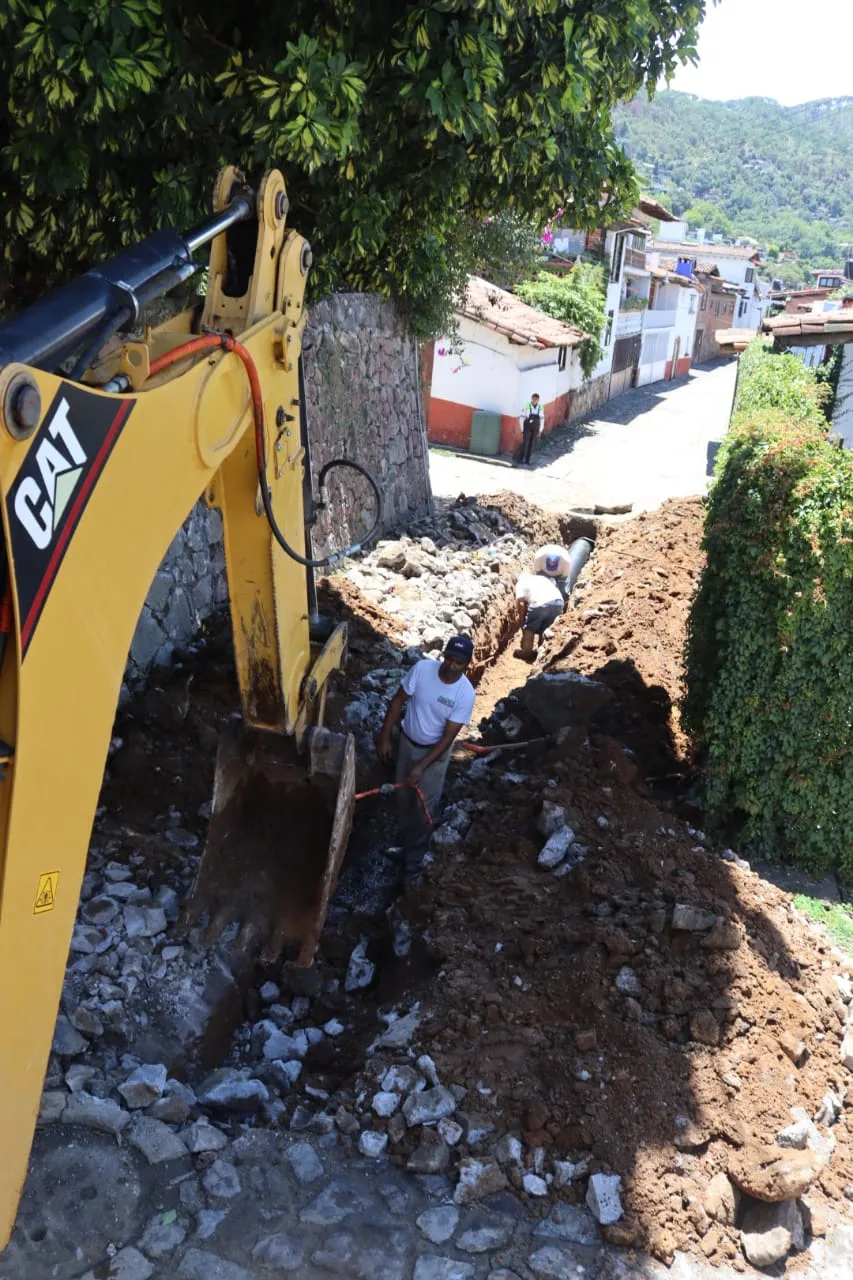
459, 647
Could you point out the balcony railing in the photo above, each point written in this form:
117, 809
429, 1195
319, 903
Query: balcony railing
635, 258
628, 323
659, 319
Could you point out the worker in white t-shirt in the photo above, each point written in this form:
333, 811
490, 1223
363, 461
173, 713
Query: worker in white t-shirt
553, 561
435, 700
540, 603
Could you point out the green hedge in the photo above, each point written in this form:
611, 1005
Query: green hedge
769, 664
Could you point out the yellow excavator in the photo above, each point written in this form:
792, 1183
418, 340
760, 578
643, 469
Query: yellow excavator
106, 442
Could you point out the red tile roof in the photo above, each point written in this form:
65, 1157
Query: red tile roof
507, 314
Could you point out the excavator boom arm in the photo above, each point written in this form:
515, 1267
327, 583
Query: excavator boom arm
93, 487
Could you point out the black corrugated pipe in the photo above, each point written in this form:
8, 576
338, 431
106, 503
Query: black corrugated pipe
578, 553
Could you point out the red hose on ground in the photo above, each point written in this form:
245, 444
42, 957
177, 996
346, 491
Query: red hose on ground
396, 786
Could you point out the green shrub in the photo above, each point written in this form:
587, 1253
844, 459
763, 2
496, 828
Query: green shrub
769, 664
578, 299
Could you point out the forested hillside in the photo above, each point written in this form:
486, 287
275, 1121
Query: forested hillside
750, 167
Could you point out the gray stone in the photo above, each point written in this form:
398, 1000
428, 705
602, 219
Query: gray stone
429, 1106
143, 1086
401, 1080
203, 1136
128, 1264
692, 919
360, 971
175, 1105
100, 1114
602, 1196
207, 1220
279, 1046
144, 922
400, 1032
161, 1238
484, 1238
305, 1163
52, 1106
197, 1264
99, 911
570, 1222
86, 1022
627, 982
281, 1251
767, 1231
569, 1171
551, 1263
478, 1178
372, 1144
67, 1042
231, 1090
335, 1202
556, 847
221, 1180
155, 1140
385, 1104
78, 1076
438, 1225
430, 1267
551, 818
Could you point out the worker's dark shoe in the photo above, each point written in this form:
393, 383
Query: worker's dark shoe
527, 649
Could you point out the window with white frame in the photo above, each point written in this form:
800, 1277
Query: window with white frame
750, 275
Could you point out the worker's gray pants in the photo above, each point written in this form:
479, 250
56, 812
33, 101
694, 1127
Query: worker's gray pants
414, 828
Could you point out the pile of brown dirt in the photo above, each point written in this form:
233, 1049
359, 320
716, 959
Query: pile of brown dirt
642, 1009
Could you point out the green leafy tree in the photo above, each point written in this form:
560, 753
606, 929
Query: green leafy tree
396, 123
579, 299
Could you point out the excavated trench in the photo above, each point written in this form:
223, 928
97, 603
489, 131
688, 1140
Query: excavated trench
200, 1012
196, 1011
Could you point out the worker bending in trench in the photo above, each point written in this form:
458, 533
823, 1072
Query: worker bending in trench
541, 597
435, 699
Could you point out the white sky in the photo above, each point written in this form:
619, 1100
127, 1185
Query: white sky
791, 50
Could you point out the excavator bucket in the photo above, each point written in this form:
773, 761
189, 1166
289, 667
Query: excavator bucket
277, 837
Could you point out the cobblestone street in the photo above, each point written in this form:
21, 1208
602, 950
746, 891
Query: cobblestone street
647, 445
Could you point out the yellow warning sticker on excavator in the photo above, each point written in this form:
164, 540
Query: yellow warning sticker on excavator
46, 892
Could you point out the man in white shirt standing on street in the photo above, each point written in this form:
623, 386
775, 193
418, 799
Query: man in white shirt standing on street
540, 603
435, 700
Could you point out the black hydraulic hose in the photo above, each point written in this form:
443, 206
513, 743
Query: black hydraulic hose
325, 561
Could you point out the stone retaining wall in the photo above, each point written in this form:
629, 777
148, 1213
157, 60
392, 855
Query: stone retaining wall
588, 397
364, 403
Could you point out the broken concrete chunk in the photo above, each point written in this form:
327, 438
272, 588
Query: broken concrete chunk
534, 1185
143, 1086
399, 1033
67, 1042
128, 1264
144, 922
222, 1180
438, 1225
402, 1080
556, 847
203, 1136
230, 1090
568, 1171
281, 1252
478, 1178
305, 1163
155, 1140
372, 1144
551, 818
431, 1156
692, 919
602, 1197
768, 1230
360, 971
385, 1103
429, 1106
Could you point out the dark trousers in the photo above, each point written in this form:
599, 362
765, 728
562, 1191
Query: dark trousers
541, 617
529, 436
